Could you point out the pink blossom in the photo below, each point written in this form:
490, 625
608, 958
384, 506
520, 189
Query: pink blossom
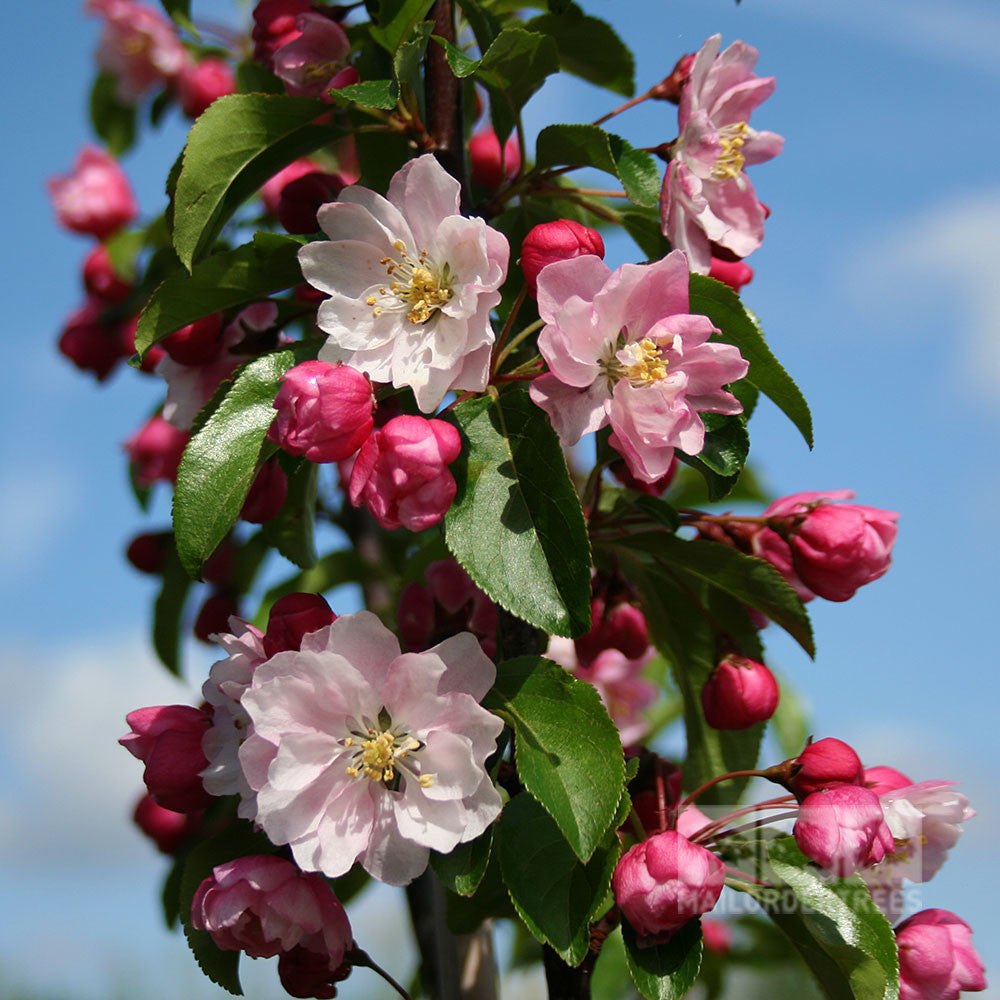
885, 779
324, 411
95, 198
623, 349
717, 936
91, 342
101, 279
620, 626
401, 473
167, 829
823, 764
155, 451
292, 618
360, 753
734, 273
315, 61
624, 692
167, 739
936, 958
265, 906
201, 84
548, 242
665, 881
197, 343
488, 164
619, 469
302, 198
739, 693
270, 191
843, 829
691, 821
138, 46
707, 197
411, 283
275, 26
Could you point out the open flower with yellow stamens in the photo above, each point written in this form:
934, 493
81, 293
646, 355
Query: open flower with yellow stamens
361, 753
622, 349
411, 283
707, 197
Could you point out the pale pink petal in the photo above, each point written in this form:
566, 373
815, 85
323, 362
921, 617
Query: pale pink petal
573, 411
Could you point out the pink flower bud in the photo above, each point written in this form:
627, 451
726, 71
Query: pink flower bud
716, 935
843, 829
734, 273
302, 198
264, 905
669, 89
201, 84
885, 779
100, 278
270, 191
91, 343
486, 165
274, 26
936, 958
155, 451
167, 739
95, 197
305, 973
739, 693
665, 881
292, 617
198, 343
655, 773
324, 411
213, 617
621, 627
314, 63
221, 563
154, 355
166, 828
401, 473
148, 552
823, 764
549, 242
656, 488
267, 494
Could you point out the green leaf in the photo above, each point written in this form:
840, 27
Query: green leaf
643, 225
180, 13
397, 19
464, 914
381, 94
568, 752
463, 869
112, 118
485, 25
837, 929
240, 142
752, 581
170, 893
659, 510
555, 894
253, 78
590, 146
406, 62
232, 278
238, 840
291, 532
220, 461
589, 48
516, 525
168, 611
721, 460
723, 307
665, 971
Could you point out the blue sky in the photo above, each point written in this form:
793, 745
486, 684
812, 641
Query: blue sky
876, 286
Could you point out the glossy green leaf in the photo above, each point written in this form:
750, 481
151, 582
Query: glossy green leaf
485, 25
643, 225
223, 281
381, 94
721, 461
241, 141
291, 532
516, 525
462, 870
664, 971
568, 752
589, 48
397, 20
723, 307
590, 146
555, 894
168, 612
220, 461
112, 118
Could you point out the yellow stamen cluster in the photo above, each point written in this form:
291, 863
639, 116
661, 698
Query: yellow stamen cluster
649, 365
729, 165
380, 756
415, 285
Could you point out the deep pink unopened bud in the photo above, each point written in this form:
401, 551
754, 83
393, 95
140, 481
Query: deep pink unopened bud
657, 783
270, 191
739, 693
301, 200
937, 960
95, 197
717, 936
264, 905
167, 739
665, 881
148, 552
401, 473
100, 277
825, 763
221, 563
267, 494
91, 343
213, 616
549, 242
292, 617
843, 829
669, 89
305, 973
486, 165
153, 356
324, 411
621, 626
885, 779
654, 489
167, 829
198, 343
734, 273
274, 26
155, 451
201, 84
